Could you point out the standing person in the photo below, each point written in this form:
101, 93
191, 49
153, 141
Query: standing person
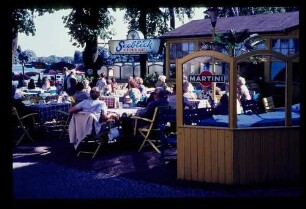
66, 76
71, 83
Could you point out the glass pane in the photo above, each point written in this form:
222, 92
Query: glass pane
204, 82
266, 106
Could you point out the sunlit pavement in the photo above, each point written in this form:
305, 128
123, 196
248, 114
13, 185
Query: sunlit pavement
50, 169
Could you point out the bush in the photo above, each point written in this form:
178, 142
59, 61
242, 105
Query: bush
150, 79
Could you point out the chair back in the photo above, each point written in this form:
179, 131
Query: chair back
268, 103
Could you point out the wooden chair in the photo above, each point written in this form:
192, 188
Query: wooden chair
62, 120
20, 124
93, 142
147, 130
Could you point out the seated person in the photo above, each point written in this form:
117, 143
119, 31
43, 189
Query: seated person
172, 98
133, 93
80, 93
222, 106
114, 85
86, 86
93, 105
31, 84
160, 99
46, 83
107, 89
243, 94
243, 91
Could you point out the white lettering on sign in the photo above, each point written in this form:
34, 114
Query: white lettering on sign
206, 78
139, 46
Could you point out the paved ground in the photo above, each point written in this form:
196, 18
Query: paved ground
49, 169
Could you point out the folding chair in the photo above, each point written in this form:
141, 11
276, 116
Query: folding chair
90, 140
147, 130
62, 120
20, 124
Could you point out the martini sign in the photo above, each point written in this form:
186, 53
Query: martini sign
206, 78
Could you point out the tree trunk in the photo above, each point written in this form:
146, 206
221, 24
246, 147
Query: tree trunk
90, 56
14, 42
172, 18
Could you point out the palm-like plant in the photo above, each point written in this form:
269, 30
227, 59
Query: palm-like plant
240, 42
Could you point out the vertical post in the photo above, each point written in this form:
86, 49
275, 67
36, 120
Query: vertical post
22, 63
213, 18
213, 66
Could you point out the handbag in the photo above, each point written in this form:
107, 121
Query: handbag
113, 133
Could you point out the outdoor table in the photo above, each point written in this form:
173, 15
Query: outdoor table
47, 112
127, 110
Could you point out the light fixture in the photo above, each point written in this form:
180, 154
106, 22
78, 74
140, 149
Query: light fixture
213, 12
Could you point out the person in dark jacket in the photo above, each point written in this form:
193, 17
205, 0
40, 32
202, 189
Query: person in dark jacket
160, 99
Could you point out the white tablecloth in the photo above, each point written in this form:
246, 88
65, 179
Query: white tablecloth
129, 110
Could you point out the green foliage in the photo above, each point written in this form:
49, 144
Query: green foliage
240, 11
230, 40
156, 21
87, 24
22, 21
150, 79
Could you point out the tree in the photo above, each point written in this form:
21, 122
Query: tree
236, 44
152, 22
85, 26
77, 58
241, 11
23, 22
30, 54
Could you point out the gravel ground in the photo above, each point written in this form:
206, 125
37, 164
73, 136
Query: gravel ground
50, 170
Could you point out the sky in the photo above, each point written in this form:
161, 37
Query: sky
51, 37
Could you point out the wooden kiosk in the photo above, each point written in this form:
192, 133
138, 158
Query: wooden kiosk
233, 155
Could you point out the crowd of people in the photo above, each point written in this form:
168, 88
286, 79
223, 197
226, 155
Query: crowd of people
85, 94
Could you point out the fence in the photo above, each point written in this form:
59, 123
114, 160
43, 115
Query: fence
122, 71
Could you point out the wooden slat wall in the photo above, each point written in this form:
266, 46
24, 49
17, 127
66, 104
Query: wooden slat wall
207, 155
240, 156
268, 155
